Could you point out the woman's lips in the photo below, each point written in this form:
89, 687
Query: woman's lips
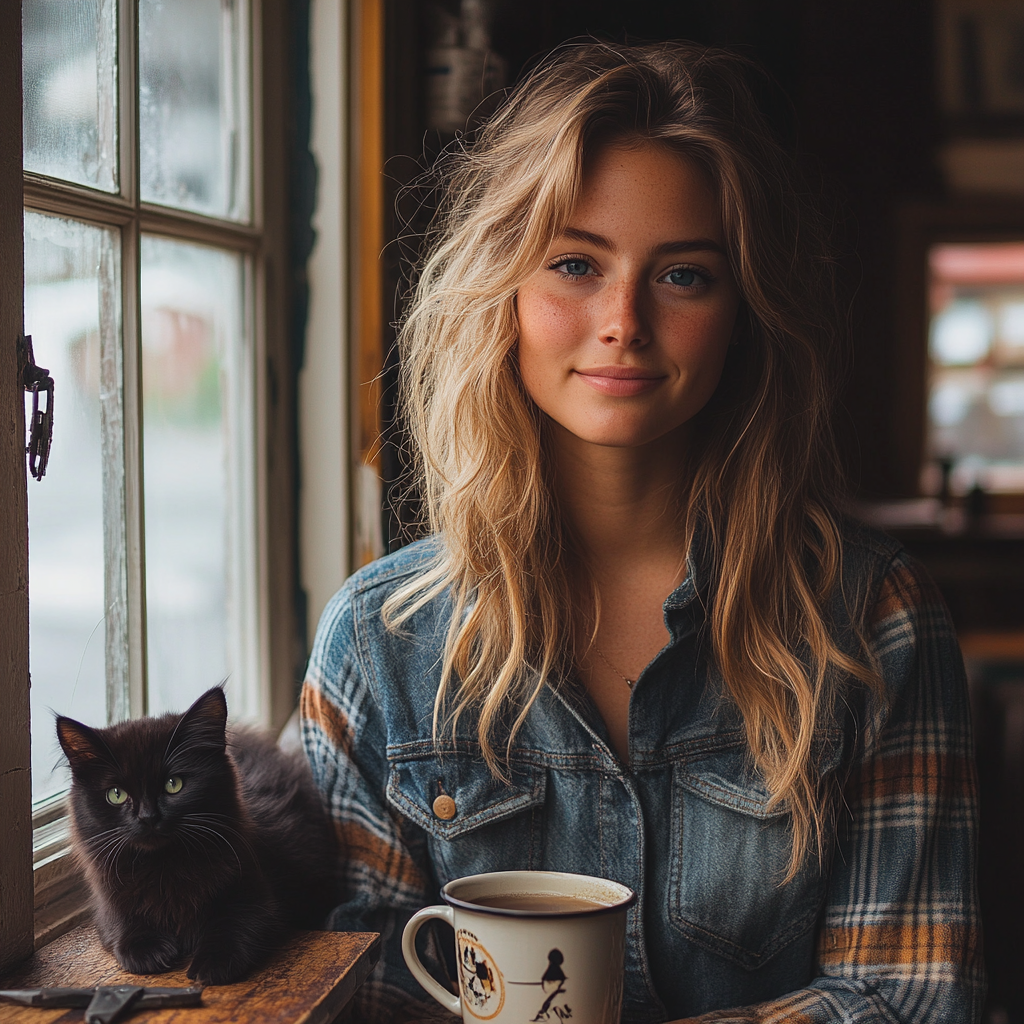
621, 381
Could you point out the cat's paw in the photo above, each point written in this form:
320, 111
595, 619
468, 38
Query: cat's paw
217, 967
149, 953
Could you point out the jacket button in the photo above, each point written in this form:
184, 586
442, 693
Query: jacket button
444, 807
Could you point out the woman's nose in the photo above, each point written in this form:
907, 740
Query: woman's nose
623, 319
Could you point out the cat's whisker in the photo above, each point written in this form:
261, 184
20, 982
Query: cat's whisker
203, 830
109, 846
222, 822
98, 849
196, 841
89, 840
106, 859
112, 856
219, 836
117, 833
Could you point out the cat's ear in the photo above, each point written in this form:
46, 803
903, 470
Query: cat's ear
83, 746
204, 723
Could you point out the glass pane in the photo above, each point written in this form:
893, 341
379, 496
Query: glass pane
70, 90
976, 365
71, 303
194, 105
197, 449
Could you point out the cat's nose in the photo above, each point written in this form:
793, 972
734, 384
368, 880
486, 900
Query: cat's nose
148, 814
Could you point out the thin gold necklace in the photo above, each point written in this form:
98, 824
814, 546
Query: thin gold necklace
629, 682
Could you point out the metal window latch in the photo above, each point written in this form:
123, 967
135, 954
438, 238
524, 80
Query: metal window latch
106, 1003
36, 379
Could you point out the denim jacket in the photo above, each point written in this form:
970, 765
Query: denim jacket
884, 929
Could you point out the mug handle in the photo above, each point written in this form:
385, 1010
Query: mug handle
450, 1002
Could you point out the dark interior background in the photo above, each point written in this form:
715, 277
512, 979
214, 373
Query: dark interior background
853, 96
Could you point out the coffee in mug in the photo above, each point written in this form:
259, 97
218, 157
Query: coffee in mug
530, 946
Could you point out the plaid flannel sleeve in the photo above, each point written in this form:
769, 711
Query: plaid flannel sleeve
386, 870
900, 940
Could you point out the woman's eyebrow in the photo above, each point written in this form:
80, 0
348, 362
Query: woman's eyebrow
661, 249
588, 238
688, 245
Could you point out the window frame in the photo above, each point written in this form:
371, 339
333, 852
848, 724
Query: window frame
16, 912
59, 898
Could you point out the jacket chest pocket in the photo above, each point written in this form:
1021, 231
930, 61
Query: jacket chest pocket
729, 857
473, 821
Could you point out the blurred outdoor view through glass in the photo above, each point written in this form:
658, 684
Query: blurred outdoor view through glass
191, 325
71, 277
196, 469
192, 111
976, 365
69, 73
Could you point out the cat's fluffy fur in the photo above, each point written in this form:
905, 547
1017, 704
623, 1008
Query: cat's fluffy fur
212, 874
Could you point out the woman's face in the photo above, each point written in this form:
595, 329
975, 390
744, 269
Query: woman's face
624, 329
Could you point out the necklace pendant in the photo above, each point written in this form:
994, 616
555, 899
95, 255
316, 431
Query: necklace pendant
629, 682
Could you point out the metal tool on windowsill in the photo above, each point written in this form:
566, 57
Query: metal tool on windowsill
105, 1003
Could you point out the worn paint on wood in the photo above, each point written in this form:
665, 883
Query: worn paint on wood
15, 754
309, 981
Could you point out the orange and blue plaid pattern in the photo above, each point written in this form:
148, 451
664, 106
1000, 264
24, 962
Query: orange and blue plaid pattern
903, 908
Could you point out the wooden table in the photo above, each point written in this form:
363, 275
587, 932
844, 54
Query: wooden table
308, 981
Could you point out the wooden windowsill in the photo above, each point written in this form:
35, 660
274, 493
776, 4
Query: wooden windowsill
60, 894
308, 981
61, 899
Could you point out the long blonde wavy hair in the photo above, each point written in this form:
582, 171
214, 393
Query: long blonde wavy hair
760, 480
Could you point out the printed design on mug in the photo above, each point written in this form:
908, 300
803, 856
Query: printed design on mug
552, 984
483, 988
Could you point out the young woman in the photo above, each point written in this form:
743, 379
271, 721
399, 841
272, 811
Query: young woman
641, 641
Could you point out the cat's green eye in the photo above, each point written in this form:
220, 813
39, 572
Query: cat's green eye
173, 784
116, 796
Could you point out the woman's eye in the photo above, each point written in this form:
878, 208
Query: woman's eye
173, 784
116, 796
572, 267
683, 277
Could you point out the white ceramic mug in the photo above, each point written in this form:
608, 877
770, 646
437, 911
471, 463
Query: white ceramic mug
559, 962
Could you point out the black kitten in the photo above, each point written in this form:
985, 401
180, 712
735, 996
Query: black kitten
197, 844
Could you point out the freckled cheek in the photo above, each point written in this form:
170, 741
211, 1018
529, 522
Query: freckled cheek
550, 331
550, 323
700, 340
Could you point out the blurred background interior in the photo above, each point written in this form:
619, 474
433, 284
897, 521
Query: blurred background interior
253, 487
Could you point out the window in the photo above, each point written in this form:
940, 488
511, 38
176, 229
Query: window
976, 366
161, 540
956, 425
142, 534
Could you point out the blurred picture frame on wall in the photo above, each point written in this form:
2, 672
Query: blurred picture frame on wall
979, 75
984, 167
980, 58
